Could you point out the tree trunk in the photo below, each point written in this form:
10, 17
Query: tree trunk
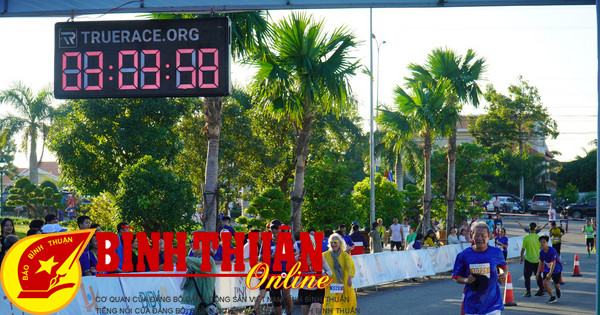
212, 117
33, 161
302, 138
451, 189
399, 171
427, 186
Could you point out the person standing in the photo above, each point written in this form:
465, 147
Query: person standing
551, 214
589, 231
381, 230
551, 266
496, 205
375, 239
395, 235
453, 237
340, 297
404, 232
359, 240
481, 268
531, 249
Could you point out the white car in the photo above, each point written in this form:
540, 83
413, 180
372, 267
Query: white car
507, 204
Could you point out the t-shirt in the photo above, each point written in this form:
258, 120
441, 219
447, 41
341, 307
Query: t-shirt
548, 257
453, 239
589, 231
532, 247
556, 235
396, 237
325, 246
487, 299
496, 221
348, 240
429, 242
551, 215
411, 238
417, 245
405, 231
490, 224
87, 260
502, 240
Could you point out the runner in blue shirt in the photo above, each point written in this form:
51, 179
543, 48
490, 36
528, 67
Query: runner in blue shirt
552, 268
476, 268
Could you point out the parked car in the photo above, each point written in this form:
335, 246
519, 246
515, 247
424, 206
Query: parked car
507, 204
579, 210
540, 203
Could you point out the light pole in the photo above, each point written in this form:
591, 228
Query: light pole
377, 89
2, 165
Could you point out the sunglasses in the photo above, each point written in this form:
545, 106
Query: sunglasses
334, 242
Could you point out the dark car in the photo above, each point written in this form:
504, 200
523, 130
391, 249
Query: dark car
579, 210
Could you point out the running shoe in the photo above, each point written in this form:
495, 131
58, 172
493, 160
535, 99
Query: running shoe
539, 293
551, 300
558, 293
527, 294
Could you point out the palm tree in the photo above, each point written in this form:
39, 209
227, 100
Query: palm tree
248, 30
301, 76
463, 74
34, 112
426, 111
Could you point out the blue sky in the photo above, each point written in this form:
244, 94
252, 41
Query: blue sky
554, 48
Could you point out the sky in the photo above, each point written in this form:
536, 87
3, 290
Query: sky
554, 48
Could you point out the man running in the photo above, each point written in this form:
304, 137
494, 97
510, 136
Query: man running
531, 249
556, 233
551, 267
589, 230
476, 268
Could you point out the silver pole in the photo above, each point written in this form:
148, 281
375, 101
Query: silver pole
598, 158
372, 136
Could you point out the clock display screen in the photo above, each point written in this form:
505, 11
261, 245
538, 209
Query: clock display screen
142, 58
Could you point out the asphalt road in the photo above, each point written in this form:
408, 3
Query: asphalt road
441, 295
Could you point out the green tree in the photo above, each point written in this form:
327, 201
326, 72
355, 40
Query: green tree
98, 138
514, 120
302, 74
152, 197
269, 205
103, 211
36, 201
7, 155
33, 116
388, 200
580, 172
569, 194
248, 31
510, 166
49, 183
328, 196
463, 74
425, 109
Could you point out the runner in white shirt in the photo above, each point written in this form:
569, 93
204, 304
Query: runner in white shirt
551, 214
404, 231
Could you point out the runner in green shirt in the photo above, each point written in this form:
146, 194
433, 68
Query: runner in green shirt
589, 230
530, 254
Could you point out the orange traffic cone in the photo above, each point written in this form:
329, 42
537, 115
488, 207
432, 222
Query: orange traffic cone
509, 297
576, 272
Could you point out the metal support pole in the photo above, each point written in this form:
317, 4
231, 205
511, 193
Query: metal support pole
372, 136
598, 156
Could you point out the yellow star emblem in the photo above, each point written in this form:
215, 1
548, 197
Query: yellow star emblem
47, 265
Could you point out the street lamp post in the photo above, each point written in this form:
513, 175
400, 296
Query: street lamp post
2, 165
377, 88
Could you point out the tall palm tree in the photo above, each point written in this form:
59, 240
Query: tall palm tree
301, 76
463, 74
34, 113
248, 31
426, 111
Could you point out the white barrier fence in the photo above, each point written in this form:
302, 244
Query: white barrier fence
162, 295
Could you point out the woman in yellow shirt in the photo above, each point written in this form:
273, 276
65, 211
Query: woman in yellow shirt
342, 265
430, 240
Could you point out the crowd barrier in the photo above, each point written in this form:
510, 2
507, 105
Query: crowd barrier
162, 295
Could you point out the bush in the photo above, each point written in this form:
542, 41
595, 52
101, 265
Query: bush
103, 211
269, 205
50, 184
36, 201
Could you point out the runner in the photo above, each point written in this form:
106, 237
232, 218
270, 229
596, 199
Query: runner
556, 233
476, 268
551, 267
589, 231
531, 249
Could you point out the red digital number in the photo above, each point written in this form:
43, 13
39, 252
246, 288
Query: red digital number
180, 70
67, 73
209, 68
148, 70
92, 71
127, 70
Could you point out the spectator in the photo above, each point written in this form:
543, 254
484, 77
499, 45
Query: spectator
326, 236
453, 237
342, 300
497, 219
376, 246
359, 241
200, 291
226, 220
84, 222
9, 241
464, 239
52, 228
51, 219
490, 223
96, 226
465, 226
404, 232
482, 293
7, 227
496, 205
311, 300
34, 231
410, 237
551, 214
431, 240
36, 223
395, 235
381, 230
87, 260
418, 241
501, 242
276, 294
247, 245
347, 239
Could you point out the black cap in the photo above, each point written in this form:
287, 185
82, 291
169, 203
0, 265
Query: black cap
276, 223
49, 218
532, 226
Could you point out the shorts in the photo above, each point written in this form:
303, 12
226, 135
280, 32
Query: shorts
397, 244
557, 247
555, 277
308, 297
589, 242
505, 255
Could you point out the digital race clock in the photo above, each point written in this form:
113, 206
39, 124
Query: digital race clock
143, 58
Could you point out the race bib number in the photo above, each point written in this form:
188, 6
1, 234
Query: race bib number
480, 269
555, 239
336, 288
590, 234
